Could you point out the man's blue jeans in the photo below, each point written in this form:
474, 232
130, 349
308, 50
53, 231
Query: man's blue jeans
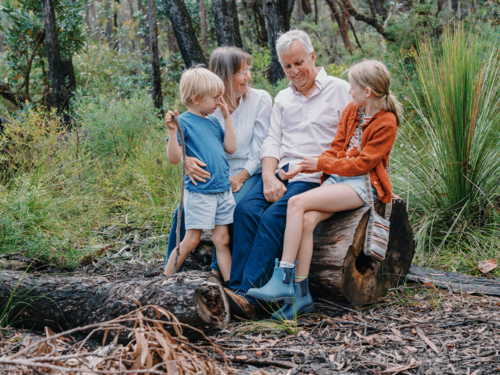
259, 231
247, 186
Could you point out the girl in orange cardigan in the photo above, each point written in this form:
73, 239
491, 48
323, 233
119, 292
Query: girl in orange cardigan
342, 182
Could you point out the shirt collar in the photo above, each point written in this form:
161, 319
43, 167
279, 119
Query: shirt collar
320, 80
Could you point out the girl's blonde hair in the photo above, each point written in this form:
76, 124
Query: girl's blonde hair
225, 62
374, 75
199, 82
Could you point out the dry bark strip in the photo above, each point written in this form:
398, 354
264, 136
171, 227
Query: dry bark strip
456, 282
196, 298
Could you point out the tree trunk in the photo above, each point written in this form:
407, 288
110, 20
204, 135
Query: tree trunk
203, 25
278, 22
131, 13
196, 298
155, 59
343, 27
56, 69
145, 42
227, 25
260, 20
339, 269
185, 35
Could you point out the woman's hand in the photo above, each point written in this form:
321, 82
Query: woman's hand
224, 110
309, 163
238, 180
291, 173
169, 121
194, 171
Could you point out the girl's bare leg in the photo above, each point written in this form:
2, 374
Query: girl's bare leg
188, 244
326, 200
220, 237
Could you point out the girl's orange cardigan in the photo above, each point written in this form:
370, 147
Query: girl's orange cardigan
379, 134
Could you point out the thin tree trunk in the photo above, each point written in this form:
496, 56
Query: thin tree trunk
131, 11
109, 25
56, 70
203, 25
155, 62
227, 26
299, 10
185, 35
145, 41
277, 22
316, 12
343, 27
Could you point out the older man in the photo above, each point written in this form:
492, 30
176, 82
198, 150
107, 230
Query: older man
303, 123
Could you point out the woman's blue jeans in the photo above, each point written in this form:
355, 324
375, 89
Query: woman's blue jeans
247, 186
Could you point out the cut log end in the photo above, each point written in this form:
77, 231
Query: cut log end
208, 304
341, 271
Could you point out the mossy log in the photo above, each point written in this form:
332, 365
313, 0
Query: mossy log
340, 271
196, 298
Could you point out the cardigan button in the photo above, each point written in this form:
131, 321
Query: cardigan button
375, 182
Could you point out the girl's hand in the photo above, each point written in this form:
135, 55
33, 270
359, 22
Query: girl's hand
169, 121
291, 173
309, 163
224, 110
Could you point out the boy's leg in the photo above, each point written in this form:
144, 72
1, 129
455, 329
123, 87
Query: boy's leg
172, 237
220, 237
191, 240
268, 243
238, 196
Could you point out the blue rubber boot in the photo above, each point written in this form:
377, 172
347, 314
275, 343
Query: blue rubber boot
279, 288
303, 303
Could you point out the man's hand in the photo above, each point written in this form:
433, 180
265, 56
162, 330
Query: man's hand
169, 120
194, 171
309, 164
274, 189
291, 173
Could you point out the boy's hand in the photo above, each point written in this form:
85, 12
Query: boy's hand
309, 163
169, 121
291, 173
224, 110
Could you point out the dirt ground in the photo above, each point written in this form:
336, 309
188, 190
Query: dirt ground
415, 329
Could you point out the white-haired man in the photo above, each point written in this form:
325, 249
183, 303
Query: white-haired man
303, 123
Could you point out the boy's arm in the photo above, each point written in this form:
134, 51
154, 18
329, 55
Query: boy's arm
230, 136
174, 149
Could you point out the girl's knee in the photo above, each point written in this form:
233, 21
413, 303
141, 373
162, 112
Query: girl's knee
295, 202
310, 221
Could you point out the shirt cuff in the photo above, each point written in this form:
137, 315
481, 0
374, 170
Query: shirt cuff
269, 151
251, 167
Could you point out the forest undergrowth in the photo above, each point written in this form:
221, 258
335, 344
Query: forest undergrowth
62, 189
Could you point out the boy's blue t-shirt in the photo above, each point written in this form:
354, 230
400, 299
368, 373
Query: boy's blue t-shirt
204, 139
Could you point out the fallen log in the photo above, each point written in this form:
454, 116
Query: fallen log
195, 298
455, 282
339, 270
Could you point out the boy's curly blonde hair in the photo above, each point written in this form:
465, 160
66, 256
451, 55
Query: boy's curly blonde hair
199, 82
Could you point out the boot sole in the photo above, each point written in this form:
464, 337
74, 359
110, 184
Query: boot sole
285, 299
306, 310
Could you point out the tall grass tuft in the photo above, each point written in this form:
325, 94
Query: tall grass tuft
451, 159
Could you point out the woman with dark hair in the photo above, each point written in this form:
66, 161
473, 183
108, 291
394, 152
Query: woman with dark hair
250, 114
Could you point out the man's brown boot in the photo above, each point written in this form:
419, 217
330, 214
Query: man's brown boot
239, 306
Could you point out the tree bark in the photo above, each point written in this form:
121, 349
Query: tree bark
339, 269
185, 35
196, 298
343, 27
372, 21
227, 25
155, 59
203, 24
56, 70
278, 22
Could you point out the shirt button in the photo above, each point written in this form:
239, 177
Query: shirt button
375, 183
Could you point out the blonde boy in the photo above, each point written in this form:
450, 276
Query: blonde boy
209, 205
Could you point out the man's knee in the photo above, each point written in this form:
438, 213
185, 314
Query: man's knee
245, 209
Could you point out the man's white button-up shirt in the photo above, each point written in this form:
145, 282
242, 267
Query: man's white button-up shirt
303, 126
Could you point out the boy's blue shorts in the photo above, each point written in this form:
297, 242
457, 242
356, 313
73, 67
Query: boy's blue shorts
205, 211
